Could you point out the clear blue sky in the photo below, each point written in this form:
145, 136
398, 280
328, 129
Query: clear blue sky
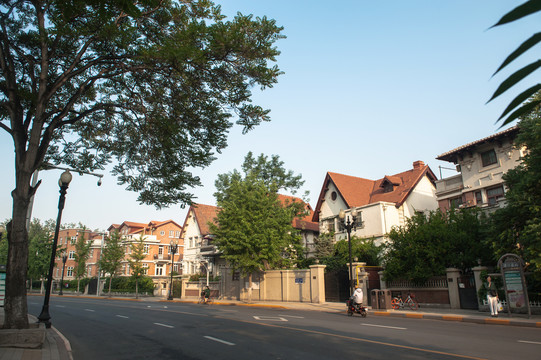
369, 88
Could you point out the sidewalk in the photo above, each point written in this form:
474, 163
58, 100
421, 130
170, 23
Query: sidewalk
57, 347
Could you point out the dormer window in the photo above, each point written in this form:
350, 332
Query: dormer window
389, 182
388, 187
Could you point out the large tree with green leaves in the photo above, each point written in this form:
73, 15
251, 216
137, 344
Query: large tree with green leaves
254, 228
430, 243
112, 256
152, 86
137, 255
82, 252
516, 228
41, 244
518, 106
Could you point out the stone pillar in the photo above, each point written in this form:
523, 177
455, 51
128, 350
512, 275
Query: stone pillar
478, 281
452, 286
382, 282
317, 283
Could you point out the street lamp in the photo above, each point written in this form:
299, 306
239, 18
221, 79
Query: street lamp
173, 250
349, 224
64, 258
63, 182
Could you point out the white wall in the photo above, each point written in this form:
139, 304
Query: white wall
191, 252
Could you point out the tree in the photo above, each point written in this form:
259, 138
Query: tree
112, 256
254, 227
41, 241
137, 256
521, 11
152, 84
428, 244
516, 227
82, 252
336, 255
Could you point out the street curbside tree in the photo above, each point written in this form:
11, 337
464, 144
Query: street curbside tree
151, 87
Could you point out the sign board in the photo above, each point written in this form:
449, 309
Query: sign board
516, 293
299, 280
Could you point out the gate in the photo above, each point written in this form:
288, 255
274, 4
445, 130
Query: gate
336, 286
92, 287
467, 292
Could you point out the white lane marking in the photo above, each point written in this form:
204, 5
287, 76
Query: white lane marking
292, 316
270, 318
387, 327
530, 342
122, 316
90, 310
60, 306
219, 340
164, 325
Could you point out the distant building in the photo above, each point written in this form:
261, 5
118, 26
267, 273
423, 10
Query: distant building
481, 164
380, 204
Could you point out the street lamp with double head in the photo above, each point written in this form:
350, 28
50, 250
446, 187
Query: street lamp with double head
63, 182
349, 223
173, 249
64, 258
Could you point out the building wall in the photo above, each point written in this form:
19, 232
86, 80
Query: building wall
192, 242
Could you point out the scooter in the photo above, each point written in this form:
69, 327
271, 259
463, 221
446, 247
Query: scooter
355, 308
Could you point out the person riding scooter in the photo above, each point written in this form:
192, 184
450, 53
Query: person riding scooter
357, 297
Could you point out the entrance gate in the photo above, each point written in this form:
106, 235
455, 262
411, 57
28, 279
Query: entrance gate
336, 286
467, 292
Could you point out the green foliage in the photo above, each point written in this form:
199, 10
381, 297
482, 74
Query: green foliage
516, 228
364, 250
521, 11
82, 252
127, 284
254, 228
137, 256
112, 254
428, 244
324, 244
39, 251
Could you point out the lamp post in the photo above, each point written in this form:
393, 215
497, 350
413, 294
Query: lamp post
64, 182
349, 224
173, 249
64, 258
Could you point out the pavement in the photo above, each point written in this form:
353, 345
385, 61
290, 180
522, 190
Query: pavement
57, 347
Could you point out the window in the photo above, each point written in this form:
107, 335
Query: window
171, 233
489, 157
159, 270
334, 195
72, 255
177, 234
160, 250
162, 233
60, 241
494, 194
145, 269
69, 273
478, 197
91, 254
146, 249
191, 242
455, 202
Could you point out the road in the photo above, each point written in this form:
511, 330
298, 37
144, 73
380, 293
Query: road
113, 329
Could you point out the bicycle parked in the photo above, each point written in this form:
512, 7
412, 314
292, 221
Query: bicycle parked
398, 303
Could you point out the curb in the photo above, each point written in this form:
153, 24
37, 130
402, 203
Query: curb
459, 318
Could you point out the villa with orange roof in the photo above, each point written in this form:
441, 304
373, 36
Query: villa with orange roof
380, 204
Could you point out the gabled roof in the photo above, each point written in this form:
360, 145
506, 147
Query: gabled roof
357, 192
306, 221
452, 156
203, 214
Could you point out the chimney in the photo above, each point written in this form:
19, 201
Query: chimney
418, 164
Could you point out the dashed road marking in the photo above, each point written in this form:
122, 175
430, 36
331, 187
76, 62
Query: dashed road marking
529, 342
219, 340
270, 318
164, 325
122, 316
385, 326
90, 310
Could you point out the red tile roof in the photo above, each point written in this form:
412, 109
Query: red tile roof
358, 192
304, 223
203, 215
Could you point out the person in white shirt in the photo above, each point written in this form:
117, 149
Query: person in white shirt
358, 296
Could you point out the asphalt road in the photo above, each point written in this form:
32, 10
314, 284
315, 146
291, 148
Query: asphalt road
112, 329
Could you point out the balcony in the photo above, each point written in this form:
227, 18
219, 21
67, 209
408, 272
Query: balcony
449, 185
162, 257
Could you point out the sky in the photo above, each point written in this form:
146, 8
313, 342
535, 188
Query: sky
368, 88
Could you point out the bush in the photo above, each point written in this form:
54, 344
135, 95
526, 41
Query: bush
128, 284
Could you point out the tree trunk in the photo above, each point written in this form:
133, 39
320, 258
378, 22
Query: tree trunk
110, 282
15, 307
